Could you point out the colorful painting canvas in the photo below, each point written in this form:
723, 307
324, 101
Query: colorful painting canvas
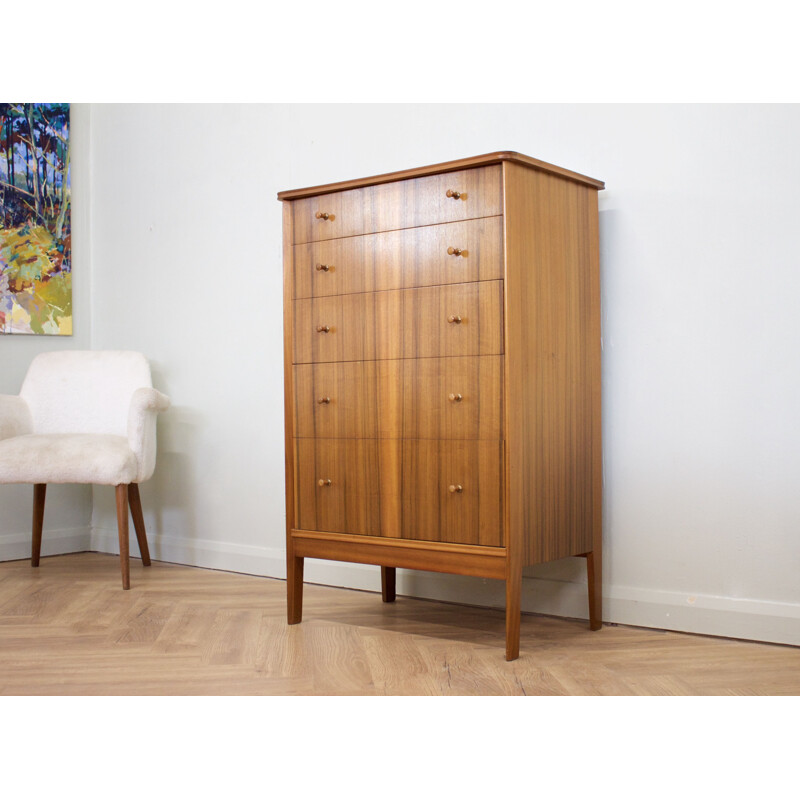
35, 255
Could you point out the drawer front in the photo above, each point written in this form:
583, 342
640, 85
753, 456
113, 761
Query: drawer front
401, 204
457, 252
456, 320
426, 398
453, 492
419, 490
338, 484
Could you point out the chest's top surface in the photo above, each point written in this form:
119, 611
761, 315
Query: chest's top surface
447, 166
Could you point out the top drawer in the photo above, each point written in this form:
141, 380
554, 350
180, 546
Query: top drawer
402, 204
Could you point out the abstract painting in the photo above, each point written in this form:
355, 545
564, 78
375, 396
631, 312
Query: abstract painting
35, 255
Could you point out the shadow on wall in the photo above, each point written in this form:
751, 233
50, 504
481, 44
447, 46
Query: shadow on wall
67, 520
170, 497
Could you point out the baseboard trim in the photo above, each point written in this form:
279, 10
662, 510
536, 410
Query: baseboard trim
17, 546
757, 620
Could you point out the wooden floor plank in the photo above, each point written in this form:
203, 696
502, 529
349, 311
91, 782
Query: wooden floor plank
67, 628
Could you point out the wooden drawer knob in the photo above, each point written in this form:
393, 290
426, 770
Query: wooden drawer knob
323, 328
457, 488
456, 398
323, 267
324, 215
456, 251
453, 194
324, 481
455, 319
323, 401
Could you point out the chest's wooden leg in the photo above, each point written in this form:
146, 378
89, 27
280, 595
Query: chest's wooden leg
513, 609
294, 588
594, 571
388, 584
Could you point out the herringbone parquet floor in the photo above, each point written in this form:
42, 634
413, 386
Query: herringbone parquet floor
67, 628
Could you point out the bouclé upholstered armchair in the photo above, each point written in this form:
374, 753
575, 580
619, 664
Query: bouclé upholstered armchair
84, 417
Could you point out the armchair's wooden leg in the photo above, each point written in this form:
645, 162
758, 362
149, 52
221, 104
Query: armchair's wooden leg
39, 492
122, 525
389, 584
138, 522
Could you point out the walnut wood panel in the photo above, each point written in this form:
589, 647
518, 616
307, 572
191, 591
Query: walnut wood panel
294, 565
403, 204
456, 320
405, 490
339, 483
452, 492
427, 398
457, 252
348, 400
552, 366
484, 562
498, 157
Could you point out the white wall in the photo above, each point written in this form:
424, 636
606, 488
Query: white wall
699, 247
68, 509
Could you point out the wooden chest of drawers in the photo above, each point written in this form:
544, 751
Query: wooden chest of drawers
442, 374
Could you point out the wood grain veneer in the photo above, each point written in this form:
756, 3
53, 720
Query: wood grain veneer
552, 363
414, 489
442, 360
499, 157
405, 204
414, 398
401, 259
406, 323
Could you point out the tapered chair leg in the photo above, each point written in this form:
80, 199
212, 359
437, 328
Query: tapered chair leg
122, 525
39, 492
138, 522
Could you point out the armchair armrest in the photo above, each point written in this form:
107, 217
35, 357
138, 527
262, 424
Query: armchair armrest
145, 405
15, 417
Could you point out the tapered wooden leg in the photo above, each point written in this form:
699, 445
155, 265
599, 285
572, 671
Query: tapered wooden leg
122, 526
513, 610
294, 589
594, 571
138, 522
39, 491
388, 584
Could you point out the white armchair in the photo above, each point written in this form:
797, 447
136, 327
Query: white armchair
84, 417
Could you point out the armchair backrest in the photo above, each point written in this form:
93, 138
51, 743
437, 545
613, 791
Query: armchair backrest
76, 391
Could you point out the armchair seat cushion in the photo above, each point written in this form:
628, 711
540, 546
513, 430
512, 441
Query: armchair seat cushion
67, 458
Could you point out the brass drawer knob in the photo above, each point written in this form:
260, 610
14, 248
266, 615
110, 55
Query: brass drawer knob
323, 328
323, 401
456, 251
324, 215
453, 193
454, 318
457, 488
323, 267
324, 481
456, 398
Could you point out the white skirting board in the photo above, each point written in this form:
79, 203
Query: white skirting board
756, 620
16, 546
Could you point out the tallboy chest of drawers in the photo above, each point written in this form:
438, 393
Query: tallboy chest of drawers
442, 374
